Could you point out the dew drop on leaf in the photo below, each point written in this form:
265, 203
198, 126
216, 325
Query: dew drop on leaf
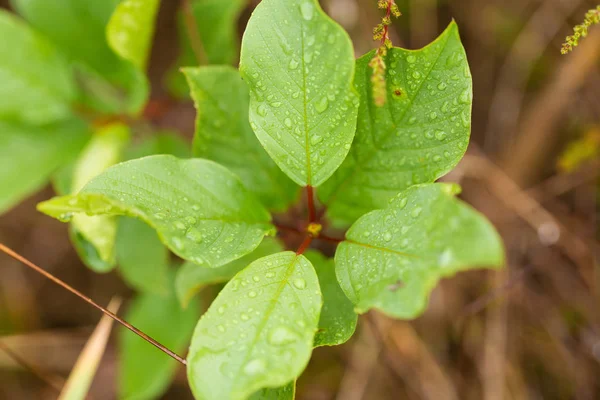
299, 283
255, 367
307, 10
282, 335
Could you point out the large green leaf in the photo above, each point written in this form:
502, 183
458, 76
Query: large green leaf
392, 258
299, 65
143, 259
146, 372
217, 29
36, 84
338, 319
31, 154
419, 135
94, 236
201, 211
259, 331
130, 30
191, 277
223, 134
286, 392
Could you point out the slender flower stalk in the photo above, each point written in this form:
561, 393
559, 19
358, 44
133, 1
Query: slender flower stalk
377, 64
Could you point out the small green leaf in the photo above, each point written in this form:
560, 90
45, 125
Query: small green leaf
94, 236
259, 331
217, 29
145, 371
201, 211
420, 134
143, 259
393, 258
160, 143
108, 84
224, 135
36, 84
131, 29
191, 278
338, 319
31, 154
287, 392
299, 65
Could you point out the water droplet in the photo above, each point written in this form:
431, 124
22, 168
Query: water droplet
416, 74
194, 235
387, 236
299, 283
178, 244
416, 212
252, 294
221, 328
442, 86
315, 139
322, 105
411, 59
179, 225
402, 203
256, 278
440, 135
288, 122
307, 10
221, 310
465, 96
293, 64
160, 216
282, 335
255, 367
262, 110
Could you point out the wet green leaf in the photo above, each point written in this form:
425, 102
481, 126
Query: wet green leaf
259, 331
217, 29
94, 236
393, 258
36, 83
338, 319
191, 278
201, 211
31, 154
130, 30
419, 135
287, 392
108, 83
144, 371
223, 134
299, 65
143, 259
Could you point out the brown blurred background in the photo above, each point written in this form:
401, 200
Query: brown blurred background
529, 332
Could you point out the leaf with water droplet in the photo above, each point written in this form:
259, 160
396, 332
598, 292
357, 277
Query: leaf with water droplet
217, 24
396, 274
272, 345
220, 94
144, 371
338, 319
392, 142
218, 205
131, 29
286, 392
305, 79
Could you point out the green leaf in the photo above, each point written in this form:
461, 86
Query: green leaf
258, 332
145, 371
287, 392
108, 83
191, 278
94, 236
338, 319
143, 259
160, 143
36, 84
201, 211
224, 135
217, 29
419, 135
31, 154
299, 65
131, 29
393, 258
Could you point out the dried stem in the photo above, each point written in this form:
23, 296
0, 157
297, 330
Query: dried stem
126, 324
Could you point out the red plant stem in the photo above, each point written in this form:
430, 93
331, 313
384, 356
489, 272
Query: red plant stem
126, 324
288, 229
330, 239
305, 244
312, 211
388, 15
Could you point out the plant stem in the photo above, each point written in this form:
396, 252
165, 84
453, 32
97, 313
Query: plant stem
126, 324
288, 229
312, 212
305, 244
330, 239
191, 25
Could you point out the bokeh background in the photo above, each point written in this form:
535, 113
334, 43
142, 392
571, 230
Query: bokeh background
531, 331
